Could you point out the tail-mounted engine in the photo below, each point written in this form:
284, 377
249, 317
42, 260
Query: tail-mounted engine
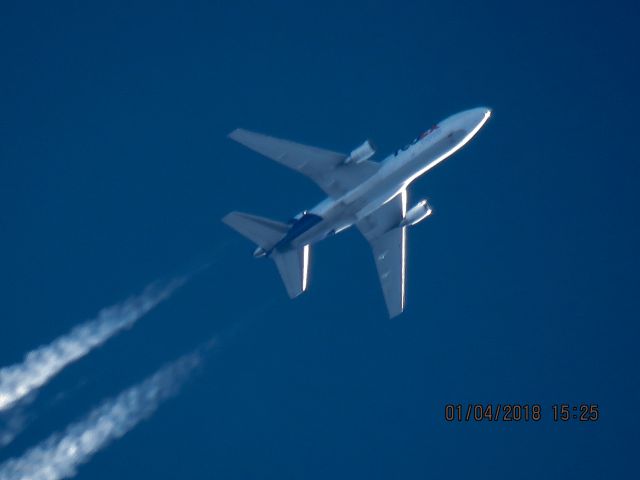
416, 214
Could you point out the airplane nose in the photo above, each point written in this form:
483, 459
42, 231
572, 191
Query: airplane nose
478, 115
486, 113
469, 118
464, 125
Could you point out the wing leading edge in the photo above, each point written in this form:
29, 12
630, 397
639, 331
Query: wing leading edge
324, 167
388, 242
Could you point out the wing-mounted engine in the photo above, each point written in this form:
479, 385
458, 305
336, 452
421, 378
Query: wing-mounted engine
416, 214
360, 154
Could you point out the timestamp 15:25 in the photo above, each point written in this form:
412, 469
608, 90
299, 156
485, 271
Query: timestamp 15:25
584, 412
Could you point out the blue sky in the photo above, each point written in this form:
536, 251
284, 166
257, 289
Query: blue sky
115, 170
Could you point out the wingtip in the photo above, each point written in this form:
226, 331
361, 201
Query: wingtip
227, 217
234, 134
294, 295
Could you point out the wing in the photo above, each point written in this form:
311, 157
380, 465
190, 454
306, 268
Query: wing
324, 167
388, 242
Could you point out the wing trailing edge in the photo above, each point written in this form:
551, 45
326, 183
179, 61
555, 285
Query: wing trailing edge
388, 239
324, 167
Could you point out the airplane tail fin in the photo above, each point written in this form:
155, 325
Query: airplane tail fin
292, 264
263, 232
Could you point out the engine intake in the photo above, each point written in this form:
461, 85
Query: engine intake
360, 154
416, 214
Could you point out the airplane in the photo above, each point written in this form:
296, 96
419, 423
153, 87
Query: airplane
370, 195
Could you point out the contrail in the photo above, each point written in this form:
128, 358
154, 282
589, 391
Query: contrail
13, 421
41, 364
61, 454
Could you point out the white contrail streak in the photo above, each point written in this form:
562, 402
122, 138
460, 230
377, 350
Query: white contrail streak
60, 455
41, 364
13, 421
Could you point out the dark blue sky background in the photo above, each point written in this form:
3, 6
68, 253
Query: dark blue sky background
522, 287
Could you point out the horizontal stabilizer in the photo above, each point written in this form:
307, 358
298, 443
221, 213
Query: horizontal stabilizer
293, 266
261, 231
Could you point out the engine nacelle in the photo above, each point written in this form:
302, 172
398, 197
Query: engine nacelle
416, 214
259, 252
360, 154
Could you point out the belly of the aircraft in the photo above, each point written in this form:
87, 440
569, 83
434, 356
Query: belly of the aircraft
335, 221
368, 197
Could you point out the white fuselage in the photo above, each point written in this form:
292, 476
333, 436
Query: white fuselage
397, 171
